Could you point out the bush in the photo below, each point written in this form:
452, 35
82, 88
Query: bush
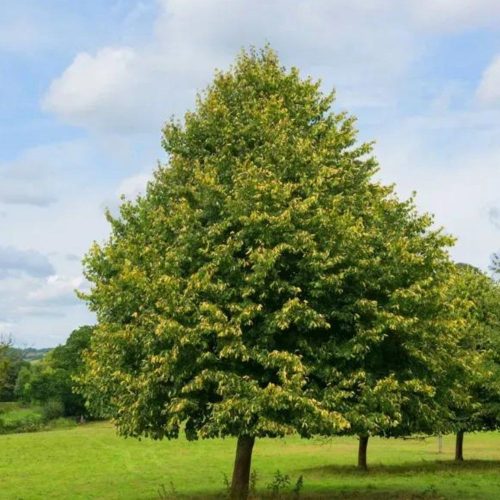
52, 409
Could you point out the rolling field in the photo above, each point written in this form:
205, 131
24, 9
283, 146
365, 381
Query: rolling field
91, 462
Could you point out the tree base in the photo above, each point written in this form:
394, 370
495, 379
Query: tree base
459, 447
363, 446
241, 471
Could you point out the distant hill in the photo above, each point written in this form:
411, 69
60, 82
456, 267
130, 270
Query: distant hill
32, 354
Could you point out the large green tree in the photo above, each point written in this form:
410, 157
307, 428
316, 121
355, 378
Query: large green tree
236, 296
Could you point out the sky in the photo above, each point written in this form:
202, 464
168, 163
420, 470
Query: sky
86, 86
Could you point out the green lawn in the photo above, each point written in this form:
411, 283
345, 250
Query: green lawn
90, 461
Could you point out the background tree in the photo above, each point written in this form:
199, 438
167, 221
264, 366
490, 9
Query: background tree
11, 362
51, 379
394, 356
476, 402
228, 296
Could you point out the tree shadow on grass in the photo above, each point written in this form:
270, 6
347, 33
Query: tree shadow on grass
339, 493
406, 468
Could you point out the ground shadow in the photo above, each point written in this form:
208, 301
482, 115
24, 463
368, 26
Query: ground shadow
333, 494
407, 468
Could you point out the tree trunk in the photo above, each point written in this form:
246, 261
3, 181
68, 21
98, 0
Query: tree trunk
241, 471
363, 445
440, 443
459, 447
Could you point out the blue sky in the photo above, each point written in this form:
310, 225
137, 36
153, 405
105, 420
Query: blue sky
86, 86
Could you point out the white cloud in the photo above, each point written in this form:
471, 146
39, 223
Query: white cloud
363, 48
129, 188
33, 308
120, 89
488, 91
100, 91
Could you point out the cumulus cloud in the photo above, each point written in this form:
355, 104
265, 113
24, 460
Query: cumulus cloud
30, 262
134, 88
102, 91
34, 308
122, 88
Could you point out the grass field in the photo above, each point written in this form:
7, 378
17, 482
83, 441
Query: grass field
91, 462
